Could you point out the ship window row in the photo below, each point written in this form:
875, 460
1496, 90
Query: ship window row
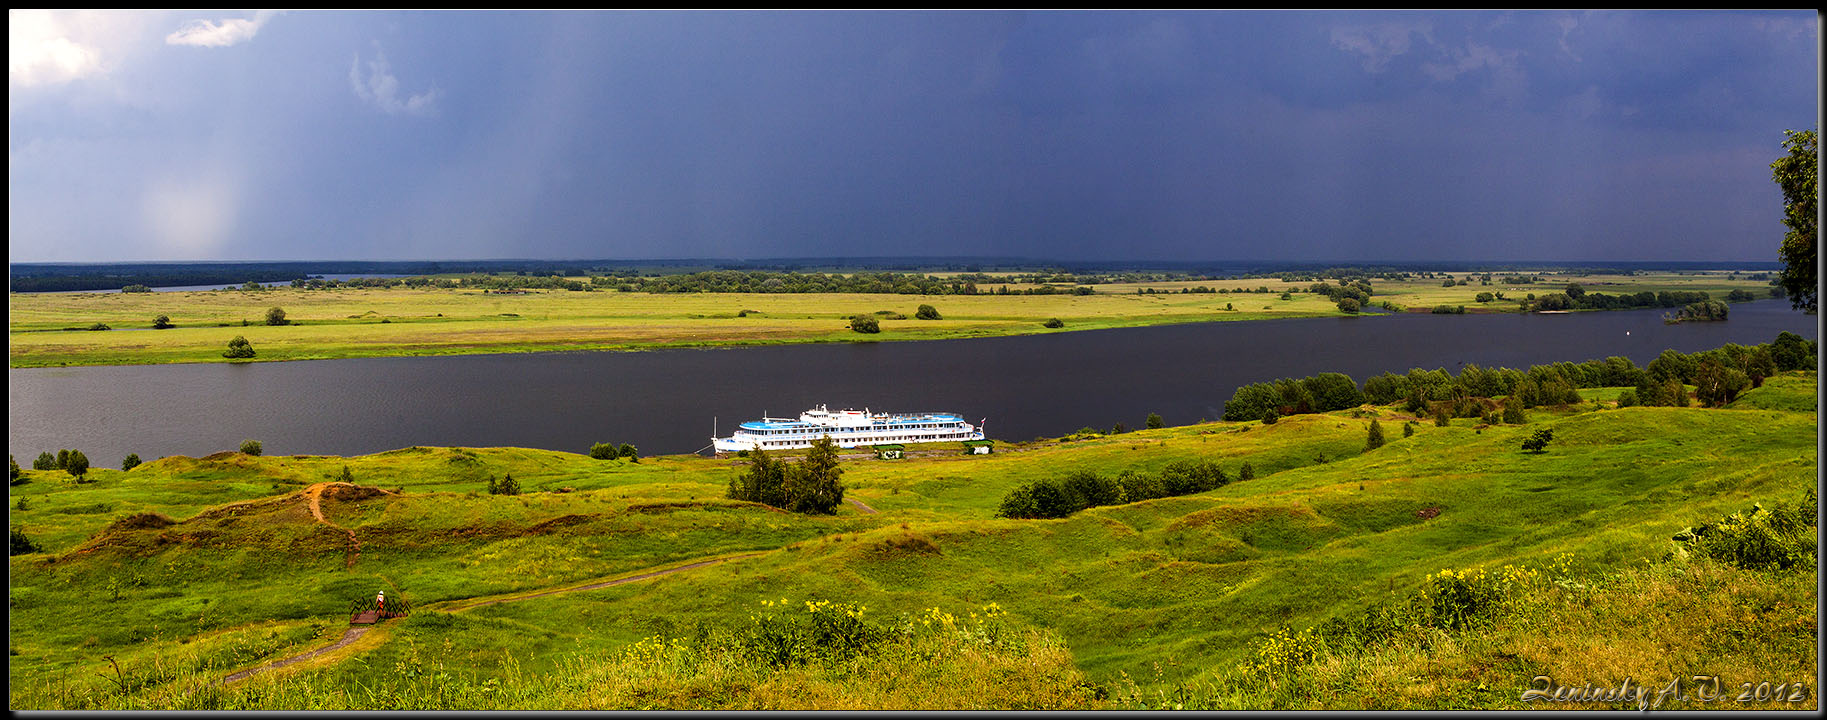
849, 430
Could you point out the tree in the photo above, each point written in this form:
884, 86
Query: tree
78, 464
1350, 305
1333, 391
765, 482
813, 486
1538, 442
604, 451
1375, 437
349, 477
16, 470
131, 461
628, 451
508, 486
250, 447
239, 348
1798, 175
1053, 323
276, 316
865, 324
1715, 384
162, 322
1271, 415
1408, 429
45, 461
1251, 401
926, 312
1248, 472
63, 459
1513, 412
1154, 421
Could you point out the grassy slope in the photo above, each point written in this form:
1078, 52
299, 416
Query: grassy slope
1186, 582
396, 322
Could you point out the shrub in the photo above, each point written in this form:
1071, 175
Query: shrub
1154, 421
45, 461
1270, 416
136, 289
1375, 436
604, 451
1538, 442
1408, 429
132, 461
926, 312
628, 451
239, 348
1627, 398
100, 326
250, 447
1248, 472
507, 486
1054, 323
1350, 305
22, 545
16, 470
865, 324
162, 322
1441, 417
1758, 539
63, 459
275, 316
1513, 412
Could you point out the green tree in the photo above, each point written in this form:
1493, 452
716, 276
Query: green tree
1798, 175
349, 477
78, 464
276, 316
1271, 415
1053, 323
604, 451
250, 447
162, 322
1408, 429
865, 324
239, 348
926, 312
628, 451
1374, 439
1350, 305
813, 486
1154, 421
45, 461
1248, 472
765, 481
16, 470
63, 459
131, 461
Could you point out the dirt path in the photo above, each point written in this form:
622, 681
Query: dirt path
349, 636
859, 504
355, 633
314, 497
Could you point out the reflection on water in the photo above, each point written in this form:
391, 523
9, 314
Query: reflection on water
666, 401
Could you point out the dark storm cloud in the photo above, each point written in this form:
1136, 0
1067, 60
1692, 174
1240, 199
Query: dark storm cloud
1313, 136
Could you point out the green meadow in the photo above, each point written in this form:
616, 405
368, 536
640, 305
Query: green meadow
155, 583
52, 329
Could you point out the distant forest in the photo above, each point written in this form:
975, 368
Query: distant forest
54, 277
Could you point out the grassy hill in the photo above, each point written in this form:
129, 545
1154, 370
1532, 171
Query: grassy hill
185, 569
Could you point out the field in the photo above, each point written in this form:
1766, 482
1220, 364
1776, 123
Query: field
51, 329
1142, 605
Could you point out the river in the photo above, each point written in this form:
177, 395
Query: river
666, 401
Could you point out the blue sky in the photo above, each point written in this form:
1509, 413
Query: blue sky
1309, 136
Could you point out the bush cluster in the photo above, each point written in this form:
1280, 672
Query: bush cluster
1758, 538
507, 486
611, 451
1081, 489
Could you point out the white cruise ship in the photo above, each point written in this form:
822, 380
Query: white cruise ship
848, 428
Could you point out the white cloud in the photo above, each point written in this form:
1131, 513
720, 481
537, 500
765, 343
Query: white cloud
1567, 24
40, 50
1379, 43
207, 33
1473, 57
380, 88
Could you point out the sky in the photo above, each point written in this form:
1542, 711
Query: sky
1300, 136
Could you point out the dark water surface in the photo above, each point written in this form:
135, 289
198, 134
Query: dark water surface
664, 401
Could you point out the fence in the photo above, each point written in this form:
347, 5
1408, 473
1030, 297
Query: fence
394, 607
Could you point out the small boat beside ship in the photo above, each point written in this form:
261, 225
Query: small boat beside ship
849, 429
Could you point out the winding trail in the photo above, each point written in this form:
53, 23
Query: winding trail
349, 636
859, 504
355, 633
